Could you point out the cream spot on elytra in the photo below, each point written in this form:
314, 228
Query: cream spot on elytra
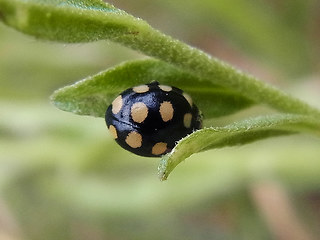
141, 89
187, 120
139, 112
166, 111
188, 98
165, 88
113, 131
159, 148
134, 139
117, 104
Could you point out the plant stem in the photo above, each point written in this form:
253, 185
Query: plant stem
69, 23
196, 62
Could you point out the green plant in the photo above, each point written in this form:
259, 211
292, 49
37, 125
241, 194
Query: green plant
218, 89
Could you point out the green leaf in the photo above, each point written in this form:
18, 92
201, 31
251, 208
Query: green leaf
93, 95
81, 21
67, 21
236, 134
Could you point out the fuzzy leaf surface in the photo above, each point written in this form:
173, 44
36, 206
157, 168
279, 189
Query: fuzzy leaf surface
236, 134
68, 21
83, 21
93, 95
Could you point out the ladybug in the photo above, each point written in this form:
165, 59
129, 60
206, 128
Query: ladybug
149, 119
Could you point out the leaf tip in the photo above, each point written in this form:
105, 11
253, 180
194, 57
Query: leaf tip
163, 168
56, 99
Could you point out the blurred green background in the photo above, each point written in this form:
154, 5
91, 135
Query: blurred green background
63, 177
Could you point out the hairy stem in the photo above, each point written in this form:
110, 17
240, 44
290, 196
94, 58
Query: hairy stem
196, 62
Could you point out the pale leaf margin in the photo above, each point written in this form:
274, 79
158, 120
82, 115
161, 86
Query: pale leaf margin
236, 134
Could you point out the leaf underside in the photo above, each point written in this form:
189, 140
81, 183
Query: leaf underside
236, 134
93, 95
